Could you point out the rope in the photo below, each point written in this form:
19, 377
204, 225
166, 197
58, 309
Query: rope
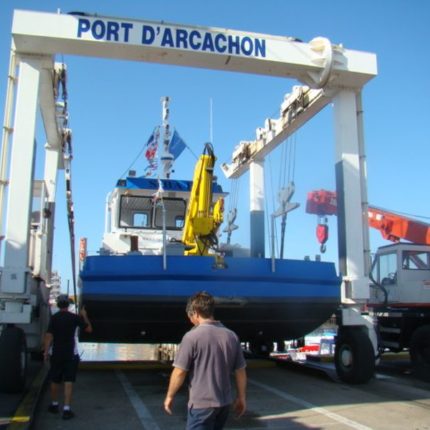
234, 194
135, 159
192, 152
71, 222
292, 157
144, 147
288, 157
60, 92
266, 206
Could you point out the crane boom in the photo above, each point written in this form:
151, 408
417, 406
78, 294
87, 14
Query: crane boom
203, 218
395, 227
392, 226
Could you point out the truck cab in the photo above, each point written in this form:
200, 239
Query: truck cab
400, 301
401, 276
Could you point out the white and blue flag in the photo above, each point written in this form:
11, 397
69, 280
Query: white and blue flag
177, 145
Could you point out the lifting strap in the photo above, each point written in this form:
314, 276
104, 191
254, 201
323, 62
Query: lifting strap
232, 211
286, 186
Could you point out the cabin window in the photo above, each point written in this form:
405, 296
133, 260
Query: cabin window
175, 214
385, 268
146, 213
135, 212
140, 219
416, 260
179, 220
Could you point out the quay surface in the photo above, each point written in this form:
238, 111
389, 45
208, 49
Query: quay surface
280, 396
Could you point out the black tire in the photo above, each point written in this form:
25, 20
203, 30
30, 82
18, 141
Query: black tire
354, 356
13, 360
419, 351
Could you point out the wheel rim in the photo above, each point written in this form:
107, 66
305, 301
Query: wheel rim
23, 358
346, 357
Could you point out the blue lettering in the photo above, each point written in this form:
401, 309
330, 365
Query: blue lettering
260, 48
193, 35
208, 44
112, 31
247, 46
167, 38
181, 39
98, 29
83, 26
234, 43
148, 35
220, 42
127, 26
109, 30
173, 38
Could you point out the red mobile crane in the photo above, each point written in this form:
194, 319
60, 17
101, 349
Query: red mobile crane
400, 278
392, 226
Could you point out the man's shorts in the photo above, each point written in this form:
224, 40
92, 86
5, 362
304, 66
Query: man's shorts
63, 370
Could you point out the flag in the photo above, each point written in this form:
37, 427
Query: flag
152, 145
177, 145
151, 152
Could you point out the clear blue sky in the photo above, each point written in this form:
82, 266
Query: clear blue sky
115, 105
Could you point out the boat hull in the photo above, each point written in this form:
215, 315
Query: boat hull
132, 299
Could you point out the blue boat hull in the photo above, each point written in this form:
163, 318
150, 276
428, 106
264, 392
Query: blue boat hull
131, 298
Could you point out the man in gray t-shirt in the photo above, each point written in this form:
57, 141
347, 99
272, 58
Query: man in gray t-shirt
209, 353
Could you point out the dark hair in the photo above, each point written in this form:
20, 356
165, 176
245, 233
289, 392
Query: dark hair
63, 301
202, 303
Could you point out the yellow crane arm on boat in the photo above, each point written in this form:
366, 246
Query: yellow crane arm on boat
203, 218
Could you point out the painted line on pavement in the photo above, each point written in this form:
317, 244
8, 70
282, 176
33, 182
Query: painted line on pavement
308, 405
25, 412
14, 419
145, 417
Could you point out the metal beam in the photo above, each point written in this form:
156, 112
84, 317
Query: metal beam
350, 191
298, 108
314, 63
21, 178
47, 106
256, 187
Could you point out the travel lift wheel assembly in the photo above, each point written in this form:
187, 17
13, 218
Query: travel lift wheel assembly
354, 356
13, 359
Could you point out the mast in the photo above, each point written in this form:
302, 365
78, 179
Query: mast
166, 157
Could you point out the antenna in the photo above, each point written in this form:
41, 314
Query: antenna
211, 131
166, 157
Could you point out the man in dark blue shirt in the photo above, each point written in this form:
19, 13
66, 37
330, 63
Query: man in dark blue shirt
60, 347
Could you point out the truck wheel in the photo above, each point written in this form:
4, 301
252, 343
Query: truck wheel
354, 356
420, 351
13, 360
